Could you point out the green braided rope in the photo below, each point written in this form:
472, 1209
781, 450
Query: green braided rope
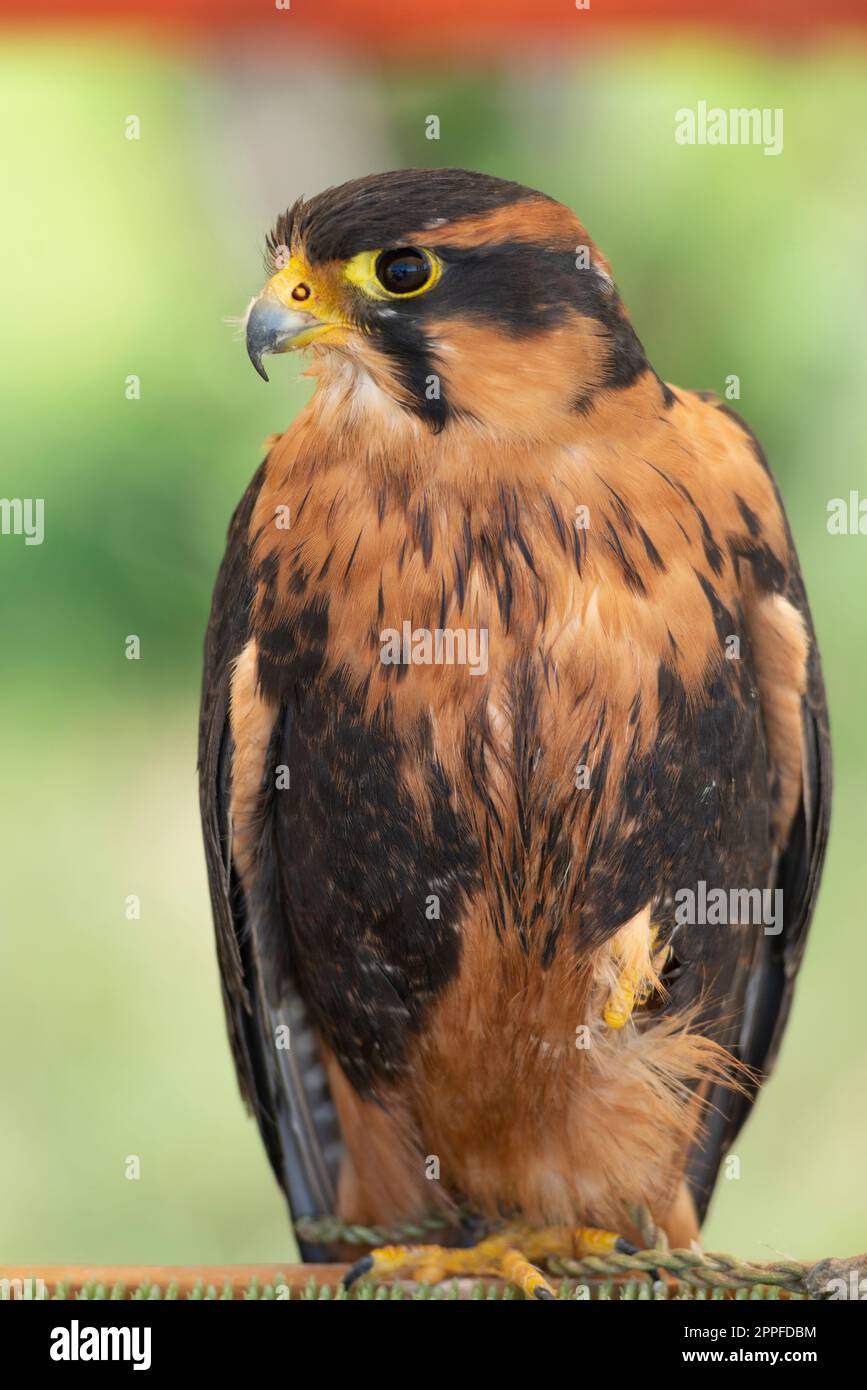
328, 1230
710, 1270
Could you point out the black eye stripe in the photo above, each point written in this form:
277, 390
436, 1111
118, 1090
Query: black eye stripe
404, 270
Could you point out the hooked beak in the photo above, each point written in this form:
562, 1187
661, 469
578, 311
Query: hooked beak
271, 327
277, 323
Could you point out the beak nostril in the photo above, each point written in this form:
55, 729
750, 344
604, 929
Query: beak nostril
301, 292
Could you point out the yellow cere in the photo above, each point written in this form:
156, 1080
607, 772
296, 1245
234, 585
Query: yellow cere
323, 301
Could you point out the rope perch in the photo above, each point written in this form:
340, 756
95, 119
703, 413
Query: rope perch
704, 1270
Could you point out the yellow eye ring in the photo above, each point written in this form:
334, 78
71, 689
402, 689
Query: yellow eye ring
364, 272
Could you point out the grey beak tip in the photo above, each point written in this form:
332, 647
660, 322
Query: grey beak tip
268, 326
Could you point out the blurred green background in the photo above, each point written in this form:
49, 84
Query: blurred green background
124, 257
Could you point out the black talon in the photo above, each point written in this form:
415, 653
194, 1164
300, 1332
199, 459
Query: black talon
473, 1230
362, 1266
625, 1247
544, 1293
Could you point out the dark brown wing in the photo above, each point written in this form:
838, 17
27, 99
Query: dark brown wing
766, 996
285, 1089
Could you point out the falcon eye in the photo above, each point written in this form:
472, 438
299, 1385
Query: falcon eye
397, 273
404, 271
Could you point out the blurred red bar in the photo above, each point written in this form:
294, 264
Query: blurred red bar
417, 30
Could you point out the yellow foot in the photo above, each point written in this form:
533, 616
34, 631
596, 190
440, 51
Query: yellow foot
506, 1254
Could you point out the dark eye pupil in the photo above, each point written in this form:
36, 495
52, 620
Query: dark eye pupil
403, 271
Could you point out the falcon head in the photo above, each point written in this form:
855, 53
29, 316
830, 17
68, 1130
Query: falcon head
455, 294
